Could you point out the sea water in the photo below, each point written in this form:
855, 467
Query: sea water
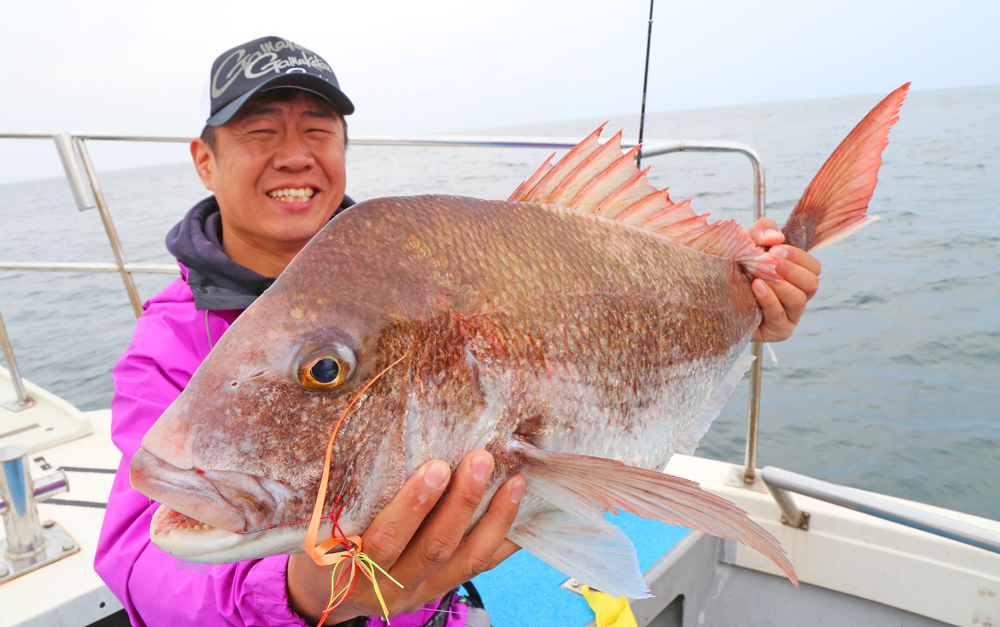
891, 382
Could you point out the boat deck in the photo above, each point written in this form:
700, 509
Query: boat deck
526, 591
69, 592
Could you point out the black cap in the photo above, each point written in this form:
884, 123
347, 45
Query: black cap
268, 63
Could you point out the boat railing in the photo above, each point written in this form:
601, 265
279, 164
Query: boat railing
783, 482
77, 165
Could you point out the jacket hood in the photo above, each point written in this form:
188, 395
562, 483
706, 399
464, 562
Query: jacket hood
216, 281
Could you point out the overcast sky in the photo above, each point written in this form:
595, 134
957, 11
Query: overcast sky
414, 67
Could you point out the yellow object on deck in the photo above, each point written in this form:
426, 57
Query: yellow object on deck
609, 611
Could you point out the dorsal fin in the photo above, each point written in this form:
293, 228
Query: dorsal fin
542, 190
593, 167
596, 178
525, 186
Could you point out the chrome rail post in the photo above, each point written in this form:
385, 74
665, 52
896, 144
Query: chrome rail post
29, 543
22, 401
753, 415
756, 348
109, 227
44, 488
21, 522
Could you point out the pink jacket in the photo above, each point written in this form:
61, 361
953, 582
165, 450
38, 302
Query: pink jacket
170, 341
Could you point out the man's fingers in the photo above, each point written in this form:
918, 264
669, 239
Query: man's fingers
766, 233
798, 257
507, 548
486, 545
776, 325
444, 528
792, 300
798, 277
396, 524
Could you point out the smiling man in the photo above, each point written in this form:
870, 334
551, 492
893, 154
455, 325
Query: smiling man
277, 170
272, 153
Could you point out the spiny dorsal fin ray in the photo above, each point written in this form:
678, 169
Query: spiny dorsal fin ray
554, 176
614, 177
672, 221
596, 178
631, 191
834, 204
593, 166
523, 188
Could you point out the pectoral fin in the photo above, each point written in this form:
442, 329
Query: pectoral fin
586, 487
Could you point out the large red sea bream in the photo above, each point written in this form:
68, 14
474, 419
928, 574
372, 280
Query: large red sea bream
582, 332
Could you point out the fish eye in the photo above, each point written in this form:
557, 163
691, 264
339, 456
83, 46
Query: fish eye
325, 371
327, 368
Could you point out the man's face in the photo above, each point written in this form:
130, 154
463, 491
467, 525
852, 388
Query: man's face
277, 172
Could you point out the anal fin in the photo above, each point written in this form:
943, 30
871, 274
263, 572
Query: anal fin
597, 554
586, 487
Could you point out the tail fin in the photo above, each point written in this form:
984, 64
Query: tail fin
834, 204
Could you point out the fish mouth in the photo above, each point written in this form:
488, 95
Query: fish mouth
216, 516
190, 539
183, 536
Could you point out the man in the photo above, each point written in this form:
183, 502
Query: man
273, 155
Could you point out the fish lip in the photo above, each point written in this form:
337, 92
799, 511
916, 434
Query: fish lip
217, 546
186, 491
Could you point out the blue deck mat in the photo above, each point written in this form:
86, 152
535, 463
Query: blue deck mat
525, 591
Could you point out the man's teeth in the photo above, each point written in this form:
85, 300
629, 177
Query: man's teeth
292, 195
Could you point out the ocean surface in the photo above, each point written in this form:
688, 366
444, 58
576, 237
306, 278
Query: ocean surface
891, 382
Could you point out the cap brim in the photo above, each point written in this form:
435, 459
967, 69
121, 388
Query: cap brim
305, 82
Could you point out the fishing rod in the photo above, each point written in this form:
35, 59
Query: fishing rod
645, 82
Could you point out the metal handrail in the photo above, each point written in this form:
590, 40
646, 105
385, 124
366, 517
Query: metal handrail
22, 400
78, 266
781, 482
71, 147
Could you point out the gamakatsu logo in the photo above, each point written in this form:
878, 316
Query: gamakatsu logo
263, 61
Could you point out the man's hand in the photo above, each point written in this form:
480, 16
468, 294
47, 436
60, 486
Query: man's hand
783, 302
420, 545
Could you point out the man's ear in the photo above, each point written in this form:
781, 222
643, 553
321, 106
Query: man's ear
204, 162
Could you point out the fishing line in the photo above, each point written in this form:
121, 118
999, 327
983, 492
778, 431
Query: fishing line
333, 515
320, 553
645, 81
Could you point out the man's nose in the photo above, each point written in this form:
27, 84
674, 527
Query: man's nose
292, 154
